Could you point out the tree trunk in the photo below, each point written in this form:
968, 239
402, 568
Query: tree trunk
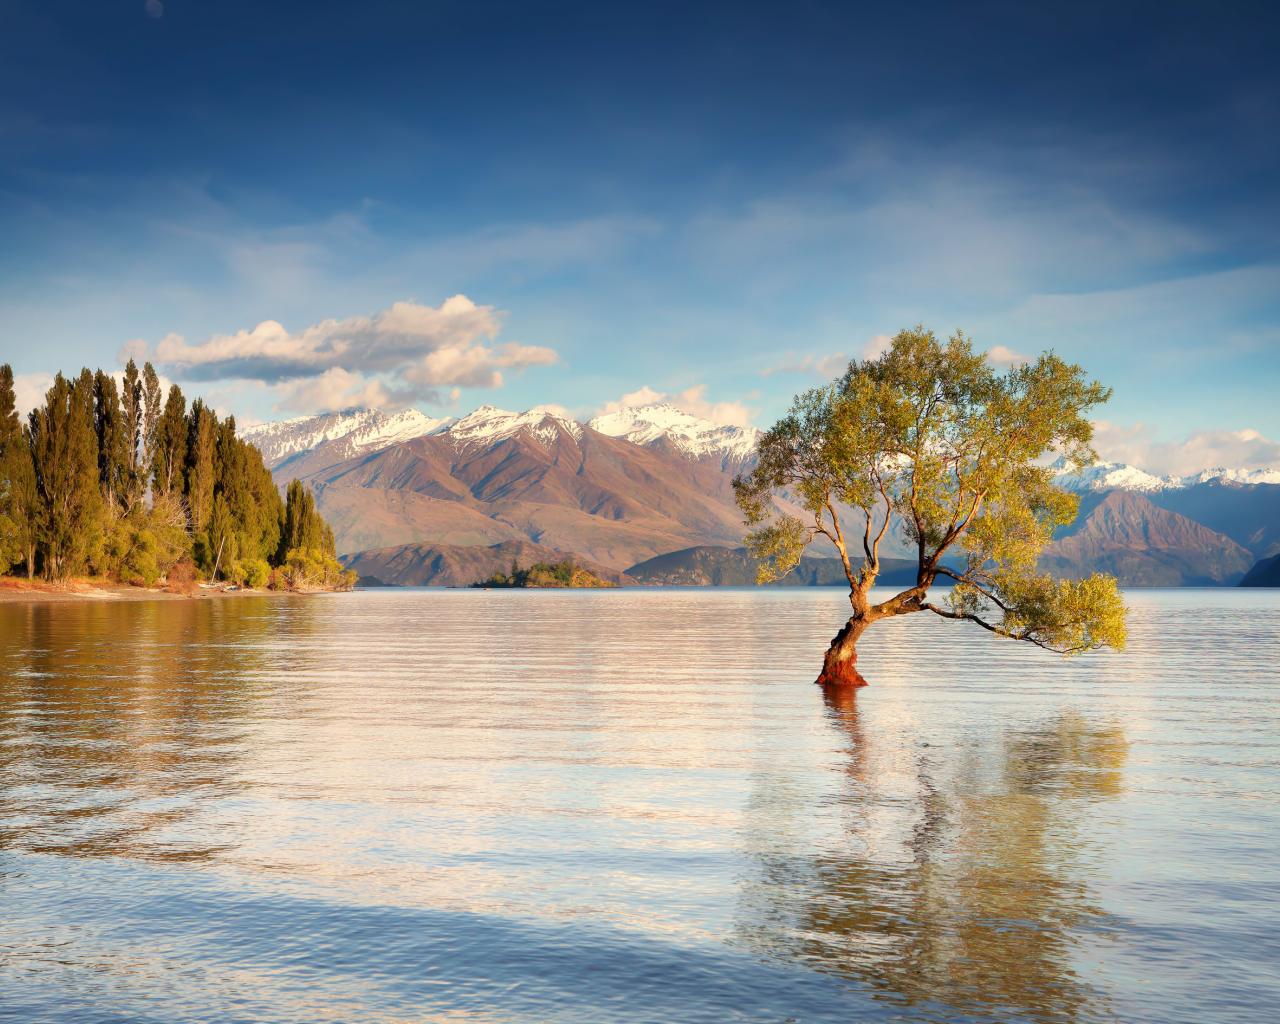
840, 666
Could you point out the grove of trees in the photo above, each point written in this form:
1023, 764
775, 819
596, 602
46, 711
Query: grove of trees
116, 480
929, 432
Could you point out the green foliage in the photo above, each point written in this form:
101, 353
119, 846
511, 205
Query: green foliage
931, 432
256, 572
566, 573
65, 457
1067, 616
74, 487
313, 569
10, 548
130, 551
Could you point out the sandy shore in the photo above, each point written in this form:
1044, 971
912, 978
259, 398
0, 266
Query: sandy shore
15, 591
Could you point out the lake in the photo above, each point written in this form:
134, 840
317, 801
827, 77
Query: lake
632, 805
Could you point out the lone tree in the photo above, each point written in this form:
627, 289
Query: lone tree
930, 433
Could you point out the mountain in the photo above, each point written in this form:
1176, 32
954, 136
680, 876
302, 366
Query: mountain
450, 565
731, 567
1265, 574
349, 432
1126, 534
1108, 476
644, 484
690, 437
495, 476
1241, 504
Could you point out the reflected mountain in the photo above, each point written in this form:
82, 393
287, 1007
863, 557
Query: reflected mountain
963, 882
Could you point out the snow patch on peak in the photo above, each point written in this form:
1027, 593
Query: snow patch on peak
691, 436
1107, 476
360, 428
488, 425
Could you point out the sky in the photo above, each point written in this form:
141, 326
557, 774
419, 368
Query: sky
291, 208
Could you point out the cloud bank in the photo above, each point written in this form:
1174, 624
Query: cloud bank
692, 400
1202, 449
401, 355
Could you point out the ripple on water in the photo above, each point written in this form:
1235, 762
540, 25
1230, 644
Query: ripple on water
631, 806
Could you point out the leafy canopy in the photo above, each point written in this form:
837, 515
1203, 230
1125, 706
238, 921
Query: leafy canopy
931, 433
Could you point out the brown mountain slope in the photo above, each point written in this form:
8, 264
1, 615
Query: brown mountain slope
1126, 535
446, 565
556, 483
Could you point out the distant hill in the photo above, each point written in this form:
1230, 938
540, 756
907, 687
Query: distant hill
448, 565
1124, 533
705, 566
1265, 574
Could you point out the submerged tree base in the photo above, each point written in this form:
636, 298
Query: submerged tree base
840, 671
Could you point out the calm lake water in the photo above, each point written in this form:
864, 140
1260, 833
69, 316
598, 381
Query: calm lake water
632, 806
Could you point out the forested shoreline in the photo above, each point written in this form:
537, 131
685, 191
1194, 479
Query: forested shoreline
116, 480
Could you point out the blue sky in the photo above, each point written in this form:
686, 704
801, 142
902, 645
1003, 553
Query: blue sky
708, 201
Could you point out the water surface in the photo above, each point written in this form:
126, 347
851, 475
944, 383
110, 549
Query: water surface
631, 806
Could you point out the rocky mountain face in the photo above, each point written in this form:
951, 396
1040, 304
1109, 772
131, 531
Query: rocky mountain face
1126, 534
495, 476
1241, 504
667, 429
345, 434
451, 565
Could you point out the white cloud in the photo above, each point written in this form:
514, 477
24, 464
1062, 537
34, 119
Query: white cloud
645, 396
1201, 449
820, 366
136, 350
877, 346
1000, 355
692, 400
832, 366
392, 359
29, 390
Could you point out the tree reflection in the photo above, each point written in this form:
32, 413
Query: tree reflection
121, 724
976, 899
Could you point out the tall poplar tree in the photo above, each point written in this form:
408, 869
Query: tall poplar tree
132, 410
112, 436
170, 445
65, 457
151, 412
202, 440
18, 498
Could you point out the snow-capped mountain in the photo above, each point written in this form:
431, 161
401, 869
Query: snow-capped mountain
488, 425
1111, 476
362, 429
679, 432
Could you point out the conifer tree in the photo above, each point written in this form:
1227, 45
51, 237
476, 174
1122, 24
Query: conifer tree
170, 447
202, 426
65, 457
151, 412
132, 409
18, 499
113, 457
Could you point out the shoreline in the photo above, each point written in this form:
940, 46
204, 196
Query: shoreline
14, 591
